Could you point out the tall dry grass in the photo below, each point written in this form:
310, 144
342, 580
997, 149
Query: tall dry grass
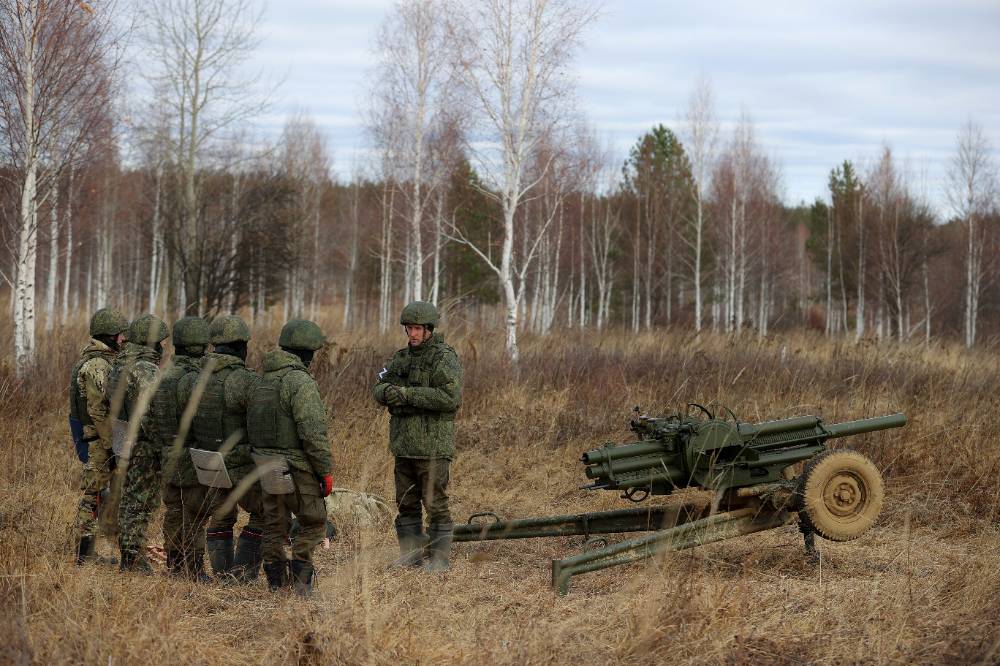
922, 587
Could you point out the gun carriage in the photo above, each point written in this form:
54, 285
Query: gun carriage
838, 495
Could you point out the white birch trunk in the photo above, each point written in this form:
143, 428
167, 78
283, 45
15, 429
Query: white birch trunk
53, 276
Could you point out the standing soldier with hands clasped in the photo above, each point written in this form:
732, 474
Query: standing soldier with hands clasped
422, 387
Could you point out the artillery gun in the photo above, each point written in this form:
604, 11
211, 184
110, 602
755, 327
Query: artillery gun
749, 466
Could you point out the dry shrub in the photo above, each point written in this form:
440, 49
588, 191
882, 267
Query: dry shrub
923, 586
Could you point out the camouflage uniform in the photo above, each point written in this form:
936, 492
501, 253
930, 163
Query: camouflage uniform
133, 375
88, 407
287, 419
184, 542
220, 422
422, 386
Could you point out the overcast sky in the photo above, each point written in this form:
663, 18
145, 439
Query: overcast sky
822, 81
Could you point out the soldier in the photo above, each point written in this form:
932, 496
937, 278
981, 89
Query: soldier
287, 426
220, 422
184, 542
133, 376
422, 387
88, 415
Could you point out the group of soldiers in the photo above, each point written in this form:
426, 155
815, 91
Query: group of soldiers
207, 435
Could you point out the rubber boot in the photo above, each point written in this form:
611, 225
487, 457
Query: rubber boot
411, 544
194, 565
440, 535
302, 577
247, 560
220, 552
135, 562
85, 548
277, 574
175, 563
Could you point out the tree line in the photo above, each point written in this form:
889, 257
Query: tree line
486, 192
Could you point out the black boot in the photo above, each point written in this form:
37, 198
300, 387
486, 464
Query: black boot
302, 577
175, 563
85, 548
220, 551
411, 539
247, 560
277, 574
134, 561
194, 566
440, 535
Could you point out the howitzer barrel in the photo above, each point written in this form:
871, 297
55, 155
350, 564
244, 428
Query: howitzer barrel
627, 451
866, 425
775, 427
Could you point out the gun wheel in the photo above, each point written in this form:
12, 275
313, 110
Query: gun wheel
841, 493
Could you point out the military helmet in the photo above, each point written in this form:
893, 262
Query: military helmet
229, 328
108, 321
419, 312
147, 330
301, 334
190, 332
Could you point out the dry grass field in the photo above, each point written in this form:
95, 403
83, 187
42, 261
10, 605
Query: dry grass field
922, 587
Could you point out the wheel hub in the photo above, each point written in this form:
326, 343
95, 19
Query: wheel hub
844, 495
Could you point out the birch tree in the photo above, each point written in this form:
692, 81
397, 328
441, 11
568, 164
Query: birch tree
57, 60
971, 190
414, 90
196, 53
514, 56
701, 134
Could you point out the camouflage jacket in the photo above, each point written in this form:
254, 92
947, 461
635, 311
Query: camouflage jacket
432, 375
287, 416
221, 417
168, 405
90, 388
133, 374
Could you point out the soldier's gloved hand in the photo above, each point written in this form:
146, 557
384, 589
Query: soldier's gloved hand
395, 396
325, 484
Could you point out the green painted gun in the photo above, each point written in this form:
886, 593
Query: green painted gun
682, 451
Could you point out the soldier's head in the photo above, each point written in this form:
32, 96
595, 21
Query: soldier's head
149, 331
190, 336
419, 319
230, 335
302, 338
109, 326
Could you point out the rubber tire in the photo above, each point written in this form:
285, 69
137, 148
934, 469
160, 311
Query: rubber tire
860, 494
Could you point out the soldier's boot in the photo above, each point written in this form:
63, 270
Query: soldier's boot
134, 561
411, 544
277, 574
194, 565
440, 535
175, 563
85, 548
302, 577
247, 560
220, 551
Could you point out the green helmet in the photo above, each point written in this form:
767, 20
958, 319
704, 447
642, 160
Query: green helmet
147, 330
229, 328
301, 334
108, 321
419, 312
190, 332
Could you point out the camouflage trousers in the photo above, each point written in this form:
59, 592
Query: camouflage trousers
421, 481
98, 474
186, 511
140, 496
308, 506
